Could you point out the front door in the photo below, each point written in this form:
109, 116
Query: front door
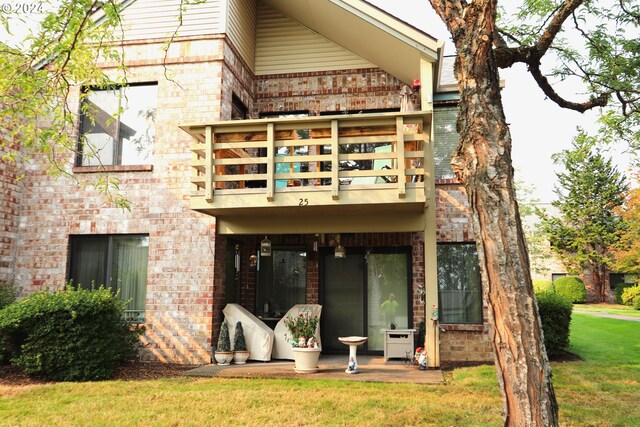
343, 300
364, 294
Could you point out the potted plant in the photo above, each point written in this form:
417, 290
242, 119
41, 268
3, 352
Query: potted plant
302, 331
223, 353
240, 352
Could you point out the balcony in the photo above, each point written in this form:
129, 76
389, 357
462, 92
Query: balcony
324, 164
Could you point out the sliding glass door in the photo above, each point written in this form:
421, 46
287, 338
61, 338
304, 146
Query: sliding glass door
364, 294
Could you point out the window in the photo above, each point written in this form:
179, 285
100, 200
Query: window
239, 111
282, 280
118, 262
127, 138
446, 140
459, 283
555, 276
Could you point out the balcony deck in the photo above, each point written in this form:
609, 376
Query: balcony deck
323, 164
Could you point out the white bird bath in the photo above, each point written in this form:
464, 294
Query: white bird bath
353, 343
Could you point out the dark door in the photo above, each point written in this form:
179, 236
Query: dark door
343, 300
363, 295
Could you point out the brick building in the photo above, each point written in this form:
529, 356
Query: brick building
282, 122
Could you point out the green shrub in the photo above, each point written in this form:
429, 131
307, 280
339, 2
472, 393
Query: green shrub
239, 343
629, 294
70, 335
224, 343
572, 288
8, 293
555, 315
636, 302
620, 287
541, 286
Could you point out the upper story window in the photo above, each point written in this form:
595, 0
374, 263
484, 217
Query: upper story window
118, 126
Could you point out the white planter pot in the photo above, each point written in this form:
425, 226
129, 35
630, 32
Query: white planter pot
223, 357
306, 360
240, 357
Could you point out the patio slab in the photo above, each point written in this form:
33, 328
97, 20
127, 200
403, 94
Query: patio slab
372, 369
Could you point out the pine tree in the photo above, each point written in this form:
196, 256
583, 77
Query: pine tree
238, 338
586, 228
224, 344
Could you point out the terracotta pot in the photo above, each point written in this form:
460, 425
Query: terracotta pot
223, 357
306, 360
240, 357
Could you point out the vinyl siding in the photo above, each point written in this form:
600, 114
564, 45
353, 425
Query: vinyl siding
150, 19
285, 46
241, 28
446, 140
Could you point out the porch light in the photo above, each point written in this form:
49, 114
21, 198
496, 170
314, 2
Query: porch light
236, 261
340, 252
265, 247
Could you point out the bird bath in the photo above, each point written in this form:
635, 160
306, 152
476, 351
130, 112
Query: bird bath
353, 343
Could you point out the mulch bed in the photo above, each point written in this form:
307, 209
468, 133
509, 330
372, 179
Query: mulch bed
134, 371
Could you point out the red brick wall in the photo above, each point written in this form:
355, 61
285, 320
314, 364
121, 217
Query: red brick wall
460, 343
180, 282
352, 90
184, 296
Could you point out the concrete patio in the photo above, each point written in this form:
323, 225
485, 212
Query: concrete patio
332, 367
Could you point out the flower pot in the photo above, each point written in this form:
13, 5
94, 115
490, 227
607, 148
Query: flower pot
306, 360
223, 357
240, 357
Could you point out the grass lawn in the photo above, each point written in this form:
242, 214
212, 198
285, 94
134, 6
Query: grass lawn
602, 390
624, 310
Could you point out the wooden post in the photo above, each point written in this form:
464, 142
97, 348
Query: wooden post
208, 167
270, 160
402, 179
335, 163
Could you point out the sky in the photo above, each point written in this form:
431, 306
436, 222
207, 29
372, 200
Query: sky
539, 128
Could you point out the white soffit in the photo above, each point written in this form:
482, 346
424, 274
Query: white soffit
367, 31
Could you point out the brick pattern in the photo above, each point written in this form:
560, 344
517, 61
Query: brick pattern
180, 282
186, 275
453, 216
10, 194
346, 90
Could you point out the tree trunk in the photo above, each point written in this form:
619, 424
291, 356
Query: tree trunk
483, 163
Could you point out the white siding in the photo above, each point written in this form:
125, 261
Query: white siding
241, 28
149, 19
285, 46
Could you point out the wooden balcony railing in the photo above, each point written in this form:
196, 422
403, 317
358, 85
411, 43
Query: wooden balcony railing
319, 160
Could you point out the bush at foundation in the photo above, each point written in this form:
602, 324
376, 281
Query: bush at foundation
555, 315
70, 335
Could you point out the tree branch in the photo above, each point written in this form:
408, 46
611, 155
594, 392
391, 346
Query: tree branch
548, 90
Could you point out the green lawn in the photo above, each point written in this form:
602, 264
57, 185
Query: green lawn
623, 310
601, 390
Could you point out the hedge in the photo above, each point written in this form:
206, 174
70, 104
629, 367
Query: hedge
572, 288
541, 286
70, 335
629, 295
8, 294
555, 316
620, 287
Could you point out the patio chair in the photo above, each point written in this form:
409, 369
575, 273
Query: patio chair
258, 336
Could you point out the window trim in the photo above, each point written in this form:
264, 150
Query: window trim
73, 244
78, 167
469, 325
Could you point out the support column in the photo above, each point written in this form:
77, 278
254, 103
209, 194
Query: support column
432, 333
